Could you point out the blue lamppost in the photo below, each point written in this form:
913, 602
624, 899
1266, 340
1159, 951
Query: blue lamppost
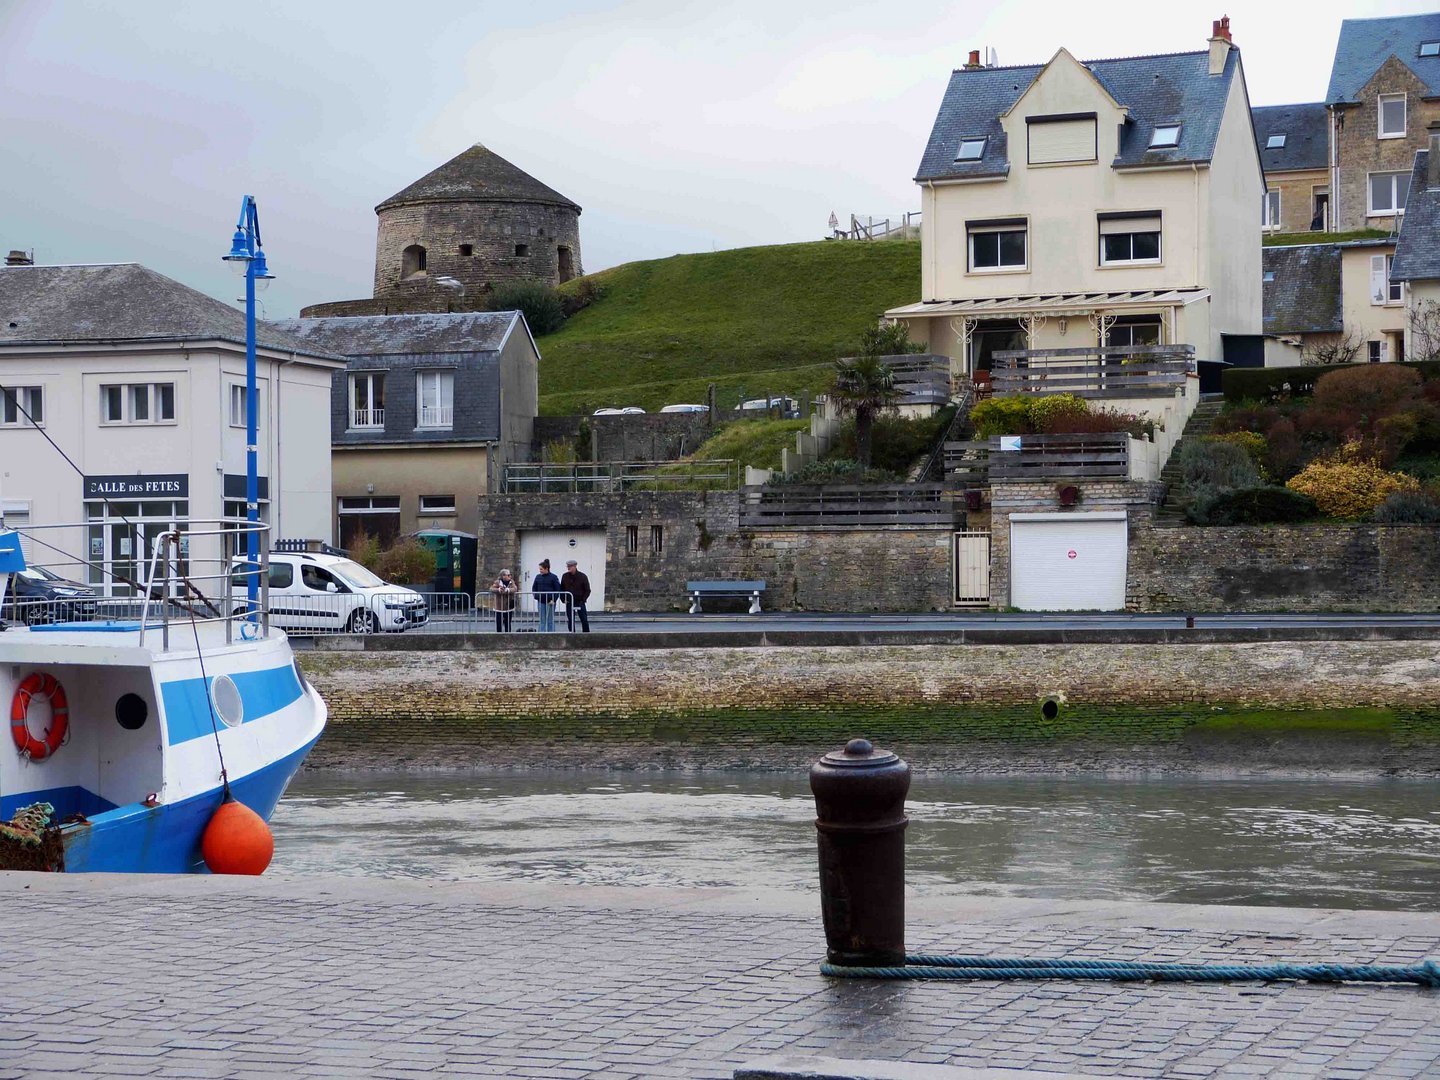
248, 258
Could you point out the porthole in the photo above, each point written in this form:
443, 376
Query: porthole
131, 712
228, 704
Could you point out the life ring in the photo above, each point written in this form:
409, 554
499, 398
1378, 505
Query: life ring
47, 686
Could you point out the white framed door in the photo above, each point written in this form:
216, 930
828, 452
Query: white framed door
585, 546
1069, 562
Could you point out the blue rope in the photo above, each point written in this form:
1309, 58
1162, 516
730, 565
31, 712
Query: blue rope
923, 966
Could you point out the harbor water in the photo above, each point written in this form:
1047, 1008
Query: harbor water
1303, 843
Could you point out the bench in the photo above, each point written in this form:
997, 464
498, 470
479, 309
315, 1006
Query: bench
697, 589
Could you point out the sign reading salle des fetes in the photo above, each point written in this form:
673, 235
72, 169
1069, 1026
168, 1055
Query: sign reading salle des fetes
157, 486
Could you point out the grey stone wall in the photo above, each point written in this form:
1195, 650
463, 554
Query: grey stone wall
1285, 568
648, 437
876, 569
1361, 151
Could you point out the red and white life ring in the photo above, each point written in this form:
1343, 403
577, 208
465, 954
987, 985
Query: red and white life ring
39, 684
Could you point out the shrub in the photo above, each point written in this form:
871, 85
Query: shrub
1349, 485
896, 442
539, 303
407, 563
1409, 508
365, 549
578, 294
838, 471
1252, 506
1220, 465
1373, 389
1252, 442
1283, 450
1053, 415
1002, 416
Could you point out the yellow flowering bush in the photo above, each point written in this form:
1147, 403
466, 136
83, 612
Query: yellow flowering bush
1349, 484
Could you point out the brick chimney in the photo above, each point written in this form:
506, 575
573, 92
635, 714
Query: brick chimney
1432, 163
973, 63
1220, 44
19, 258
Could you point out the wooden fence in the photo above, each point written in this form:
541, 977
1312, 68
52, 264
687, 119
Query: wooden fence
1128, 371
844, 506
1040, 457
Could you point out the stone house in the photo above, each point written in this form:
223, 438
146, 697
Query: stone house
1090, 204
426, 412
1323, 294
1294, 143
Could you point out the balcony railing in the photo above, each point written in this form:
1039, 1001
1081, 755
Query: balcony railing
1125, 371
367, 418
437, 416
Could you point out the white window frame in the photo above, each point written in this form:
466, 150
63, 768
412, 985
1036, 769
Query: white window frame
1171, 142
130, 394
1432, 46
1270, 222
24, 398
1399, 187
960, 154
442, 416
1132, 233
1001, 268
1380, 132
374, 417
1394, 290
1275, 142
437, 504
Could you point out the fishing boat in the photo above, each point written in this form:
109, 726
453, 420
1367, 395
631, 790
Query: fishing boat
129, 729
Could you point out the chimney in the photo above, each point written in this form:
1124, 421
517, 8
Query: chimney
19, 258
1219, 44
973, 63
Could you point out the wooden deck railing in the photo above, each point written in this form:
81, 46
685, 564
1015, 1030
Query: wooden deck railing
1129, 371
1040, 457
844, 506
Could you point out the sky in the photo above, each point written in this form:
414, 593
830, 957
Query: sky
132, 130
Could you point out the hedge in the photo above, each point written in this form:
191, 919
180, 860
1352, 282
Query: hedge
1262, 384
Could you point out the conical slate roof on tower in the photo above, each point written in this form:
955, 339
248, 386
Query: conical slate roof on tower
478, 175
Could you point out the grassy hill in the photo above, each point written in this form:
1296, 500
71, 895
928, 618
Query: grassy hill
752, 320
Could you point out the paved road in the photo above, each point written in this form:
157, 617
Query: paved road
206, 977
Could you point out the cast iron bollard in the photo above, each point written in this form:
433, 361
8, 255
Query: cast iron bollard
860, 816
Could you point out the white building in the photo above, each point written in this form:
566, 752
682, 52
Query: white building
141, 382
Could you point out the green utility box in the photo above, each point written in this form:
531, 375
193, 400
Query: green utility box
455, 554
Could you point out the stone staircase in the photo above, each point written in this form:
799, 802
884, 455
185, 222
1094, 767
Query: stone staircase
1171, 513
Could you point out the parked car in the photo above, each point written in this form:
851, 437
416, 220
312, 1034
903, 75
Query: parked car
315, 593
685, 408
788, 406
38, 596
607, 412
632, 410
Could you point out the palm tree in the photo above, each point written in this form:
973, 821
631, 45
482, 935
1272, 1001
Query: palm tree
863, 386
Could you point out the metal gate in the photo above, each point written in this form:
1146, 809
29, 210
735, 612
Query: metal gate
971, 564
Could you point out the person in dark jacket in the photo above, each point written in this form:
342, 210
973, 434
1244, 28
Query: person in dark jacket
546, 588
578, 586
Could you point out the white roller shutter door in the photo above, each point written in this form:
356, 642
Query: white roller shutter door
1068, 562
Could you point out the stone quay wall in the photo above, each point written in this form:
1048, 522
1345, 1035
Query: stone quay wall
844, 570
1316, 707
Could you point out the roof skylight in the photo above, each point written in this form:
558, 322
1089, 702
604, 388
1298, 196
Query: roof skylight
1275, 142
971, 149
1430, 48
1165, 135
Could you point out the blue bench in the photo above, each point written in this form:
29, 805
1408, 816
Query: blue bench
698, 589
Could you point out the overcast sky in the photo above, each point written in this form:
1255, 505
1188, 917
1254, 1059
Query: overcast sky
131, 130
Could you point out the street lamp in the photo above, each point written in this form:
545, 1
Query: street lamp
248, 258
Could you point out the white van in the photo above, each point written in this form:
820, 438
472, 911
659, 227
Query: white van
316, 593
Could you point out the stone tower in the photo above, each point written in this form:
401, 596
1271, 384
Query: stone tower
478, 220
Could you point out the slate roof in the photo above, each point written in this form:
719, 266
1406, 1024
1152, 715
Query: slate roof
478, 175
1307, 135
1305, 297
121, 302
1172, 88
380, 335
1365, 44
1417, 252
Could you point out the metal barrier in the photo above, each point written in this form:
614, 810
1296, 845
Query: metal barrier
404, 610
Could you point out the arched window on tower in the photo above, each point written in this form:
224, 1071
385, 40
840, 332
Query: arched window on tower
412, 261
567, 264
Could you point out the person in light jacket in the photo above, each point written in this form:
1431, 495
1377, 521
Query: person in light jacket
578, 586
505, 589
546, 588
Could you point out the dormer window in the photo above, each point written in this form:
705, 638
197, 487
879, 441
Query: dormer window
1275, 142
1165, 136
1430, 48
971, 149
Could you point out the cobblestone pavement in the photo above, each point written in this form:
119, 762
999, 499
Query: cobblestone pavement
205, 977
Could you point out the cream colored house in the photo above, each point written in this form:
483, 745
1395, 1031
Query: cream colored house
1416, 265
1082, 204
1320, 298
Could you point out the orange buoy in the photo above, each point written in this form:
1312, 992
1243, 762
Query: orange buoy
237, 840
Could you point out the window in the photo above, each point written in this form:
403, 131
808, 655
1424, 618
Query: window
22, 406
997, 245
435, 395
1166, 135
1387, 193
1129, 238
1375, 351
1134, 330
238, 412
467, 250
138, 403
1056, 140
412, 261
1383, 291
1392, 116
632, 539
367, 400
1270, 210
522, 249
437, 504
971, 149
1269, 275
1430, 48
657, 539
1275, 142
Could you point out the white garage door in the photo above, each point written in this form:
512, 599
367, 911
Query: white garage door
587, 548
1068, 562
